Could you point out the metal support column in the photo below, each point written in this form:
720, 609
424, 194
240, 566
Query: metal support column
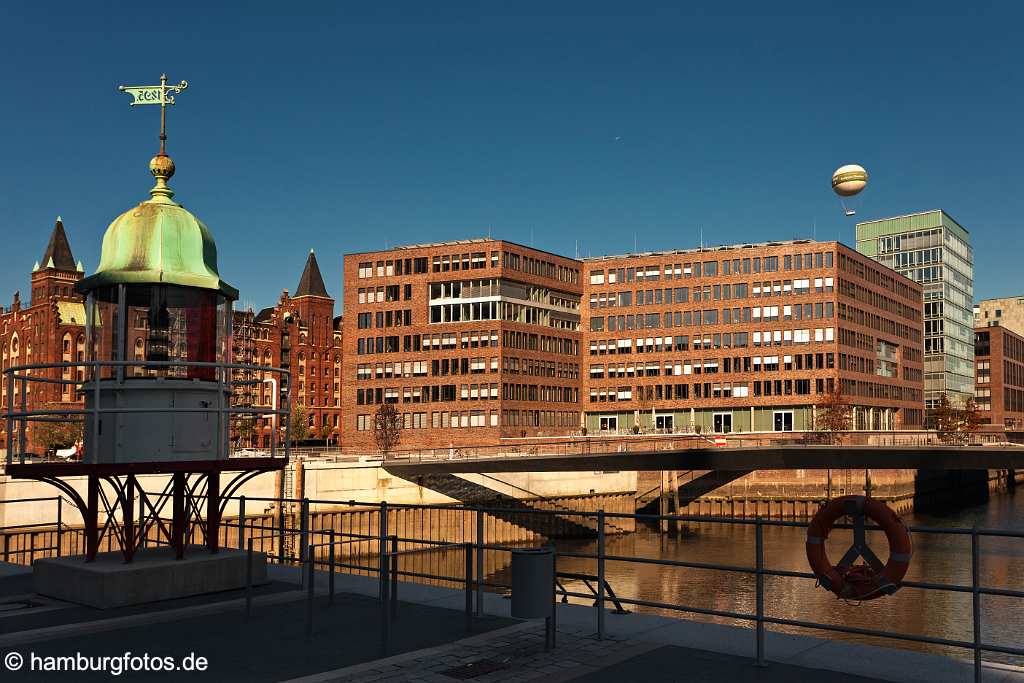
128, 517
178, 518
213, 511
92, 540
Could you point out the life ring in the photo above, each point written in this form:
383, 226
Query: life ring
859, 581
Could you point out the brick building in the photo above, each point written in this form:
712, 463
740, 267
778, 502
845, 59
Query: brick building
999, 375
50, 329
473, 340
748, 338
300, 333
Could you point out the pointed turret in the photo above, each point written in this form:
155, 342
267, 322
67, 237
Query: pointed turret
58, 251
312, 282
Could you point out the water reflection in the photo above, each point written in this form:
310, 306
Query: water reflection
937, 559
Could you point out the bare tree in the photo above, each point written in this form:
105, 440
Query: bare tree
832, 415
387, 428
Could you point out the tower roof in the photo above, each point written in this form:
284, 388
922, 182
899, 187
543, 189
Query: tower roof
158, 242
312, 282
58, 251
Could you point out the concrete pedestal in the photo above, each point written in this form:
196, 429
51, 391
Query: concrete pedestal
153, 575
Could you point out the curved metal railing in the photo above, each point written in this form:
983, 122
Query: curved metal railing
19, 378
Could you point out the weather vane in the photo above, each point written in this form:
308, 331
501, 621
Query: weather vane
156, 94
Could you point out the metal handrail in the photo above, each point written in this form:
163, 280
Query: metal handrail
93, 382
388, 572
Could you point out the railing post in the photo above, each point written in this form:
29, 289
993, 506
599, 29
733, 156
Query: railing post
600, 574
759, 543
303, 531
382, 549
393, 593
310, 586
976, 603
385, 584
248, 579
479, 562
241, 522
24, 423
330, 568
469, 587
60, 524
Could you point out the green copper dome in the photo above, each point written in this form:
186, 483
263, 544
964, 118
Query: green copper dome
158, 242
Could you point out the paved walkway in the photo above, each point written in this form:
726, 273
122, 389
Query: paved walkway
517, 655
430, 645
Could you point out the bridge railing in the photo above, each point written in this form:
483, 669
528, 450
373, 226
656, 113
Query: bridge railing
380, 538
599, 444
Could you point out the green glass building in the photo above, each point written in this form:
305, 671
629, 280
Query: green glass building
933, 249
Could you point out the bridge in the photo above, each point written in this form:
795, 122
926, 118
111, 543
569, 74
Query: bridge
876, 451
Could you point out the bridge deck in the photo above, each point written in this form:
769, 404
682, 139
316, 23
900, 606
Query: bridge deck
788, 457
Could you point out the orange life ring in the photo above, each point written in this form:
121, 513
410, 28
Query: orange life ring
859, 581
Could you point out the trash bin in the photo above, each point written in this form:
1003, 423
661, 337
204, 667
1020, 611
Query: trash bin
533, 582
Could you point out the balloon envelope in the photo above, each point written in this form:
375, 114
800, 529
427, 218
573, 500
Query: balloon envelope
849, 180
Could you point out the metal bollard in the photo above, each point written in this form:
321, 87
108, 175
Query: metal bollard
330, 561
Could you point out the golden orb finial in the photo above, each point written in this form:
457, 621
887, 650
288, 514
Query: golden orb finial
162, 168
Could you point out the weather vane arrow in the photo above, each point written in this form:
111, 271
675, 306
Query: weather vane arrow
156, 94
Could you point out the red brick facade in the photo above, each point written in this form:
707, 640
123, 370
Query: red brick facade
748, 338
299, 333
473, 341
51, 329
999, 376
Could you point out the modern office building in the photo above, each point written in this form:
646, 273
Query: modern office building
473, 340
748, 338
934, 250
999, 378
1004, 312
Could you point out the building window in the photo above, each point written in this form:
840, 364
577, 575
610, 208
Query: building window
782, 421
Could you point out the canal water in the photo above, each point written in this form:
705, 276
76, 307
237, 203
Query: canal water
937, 559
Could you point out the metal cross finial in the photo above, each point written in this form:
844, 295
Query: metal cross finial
156, 94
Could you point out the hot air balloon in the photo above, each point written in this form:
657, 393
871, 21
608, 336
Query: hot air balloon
848, 181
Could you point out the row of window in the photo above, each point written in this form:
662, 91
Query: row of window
389, 267
711, 341
729, 364
729, 316
737, 266
722, 292
384, 319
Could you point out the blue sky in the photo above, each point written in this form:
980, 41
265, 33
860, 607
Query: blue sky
349, 126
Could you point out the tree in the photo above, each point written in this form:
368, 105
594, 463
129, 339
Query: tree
245, 430
387, 428
832, 415
956, 424
53, 435
299, 422
325, 431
